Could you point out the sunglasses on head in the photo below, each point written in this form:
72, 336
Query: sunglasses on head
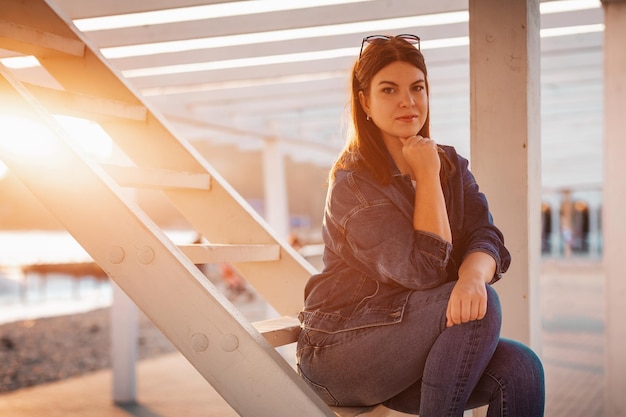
378, 39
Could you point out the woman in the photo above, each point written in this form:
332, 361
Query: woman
403, 313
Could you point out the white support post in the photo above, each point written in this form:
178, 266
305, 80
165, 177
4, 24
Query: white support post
614, 224
505, 147
275, 187
124, 325
276, 208
123, 347
275, 192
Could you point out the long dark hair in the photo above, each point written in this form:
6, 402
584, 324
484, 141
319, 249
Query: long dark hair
365, 147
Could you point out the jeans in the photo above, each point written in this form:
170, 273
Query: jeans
420, 366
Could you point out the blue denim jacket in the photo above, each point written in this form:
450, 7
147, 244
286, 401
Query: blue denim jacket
373, 257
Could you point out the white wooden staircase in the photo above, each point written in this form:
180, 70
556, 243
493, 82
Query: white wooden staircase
160, 277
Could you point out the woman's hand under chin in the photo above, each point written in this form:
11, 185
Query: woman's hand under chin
422, 156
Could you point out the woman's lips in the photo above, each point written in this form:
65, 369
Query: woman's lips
408, 118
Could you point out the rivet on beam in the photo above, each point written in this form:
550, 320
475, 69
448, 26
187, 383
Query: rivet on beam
199, 342
229, 342
146, 255
116, 254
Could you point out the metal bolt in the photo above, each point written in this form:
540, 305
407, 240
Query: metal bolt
229, 342
116, 254
199, 342
146, 255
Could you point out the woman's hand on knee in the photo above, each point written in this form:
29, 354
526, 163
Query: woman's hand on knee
468, 301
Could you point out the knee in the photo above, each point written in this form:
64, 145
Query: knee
533, 364
514, 380
494, 310
527, 365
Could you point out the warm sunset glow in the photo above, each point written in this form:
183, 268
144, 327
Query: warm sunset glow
27, 138
88, 136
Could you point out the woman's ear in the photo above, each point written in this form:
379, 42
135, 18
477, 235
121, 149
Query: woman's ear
364, 103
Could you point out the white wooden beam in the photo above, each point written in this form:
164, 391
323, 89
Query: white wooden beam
30, 40
275, 188
83, 105
129, 176
260, 22
94, 8
213, 253
505, 146
614, 224
124, 333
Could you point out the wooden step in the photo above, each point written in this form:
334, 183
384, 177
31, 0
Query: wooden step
213, 253
356, 411
279, 331
373, 411
129, 176
86, 106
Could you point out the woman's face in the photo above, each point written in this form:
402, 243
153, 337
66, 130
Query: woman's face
397, 102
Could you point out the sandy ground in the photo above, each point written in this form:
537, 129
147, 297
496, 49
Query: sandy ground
50, 349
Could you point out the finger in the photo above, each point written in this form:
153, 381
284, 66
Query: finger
482, 310
449, 320
474, 310
454, 316
466, 311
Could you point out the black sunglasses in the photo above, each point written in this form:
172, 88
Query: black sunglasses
378, 39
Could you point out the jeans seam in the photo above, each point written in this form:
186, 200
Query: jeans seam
503, 407
470, 357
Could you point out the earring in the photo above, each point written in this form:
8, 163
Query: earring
367, 117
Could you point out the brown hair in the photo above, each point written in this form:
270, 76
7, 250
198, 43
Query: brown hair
365, 147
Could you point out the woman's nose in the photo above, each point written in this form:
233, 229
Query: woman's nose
407, 100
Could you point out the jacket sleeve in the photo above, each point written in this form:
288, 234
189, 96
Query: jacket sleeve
479, 231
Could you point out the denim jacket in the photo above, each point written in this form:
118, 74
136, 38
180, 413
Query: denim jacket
373, 257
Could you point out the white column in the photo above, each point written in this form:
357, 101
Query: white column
505, 146
275, 192
613, 221
276, 209
123, 318
123, 347
275, 187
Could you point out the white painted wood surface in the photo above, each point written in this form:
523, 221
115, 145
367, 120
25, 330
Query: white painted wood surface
614, 223
505, 146
124, 335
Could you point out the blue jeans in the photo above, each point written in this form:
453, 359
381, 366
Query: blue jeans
419, 366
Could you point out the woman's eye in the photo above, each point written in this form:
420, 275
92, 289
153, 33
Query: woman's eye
418, 87
388, 90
